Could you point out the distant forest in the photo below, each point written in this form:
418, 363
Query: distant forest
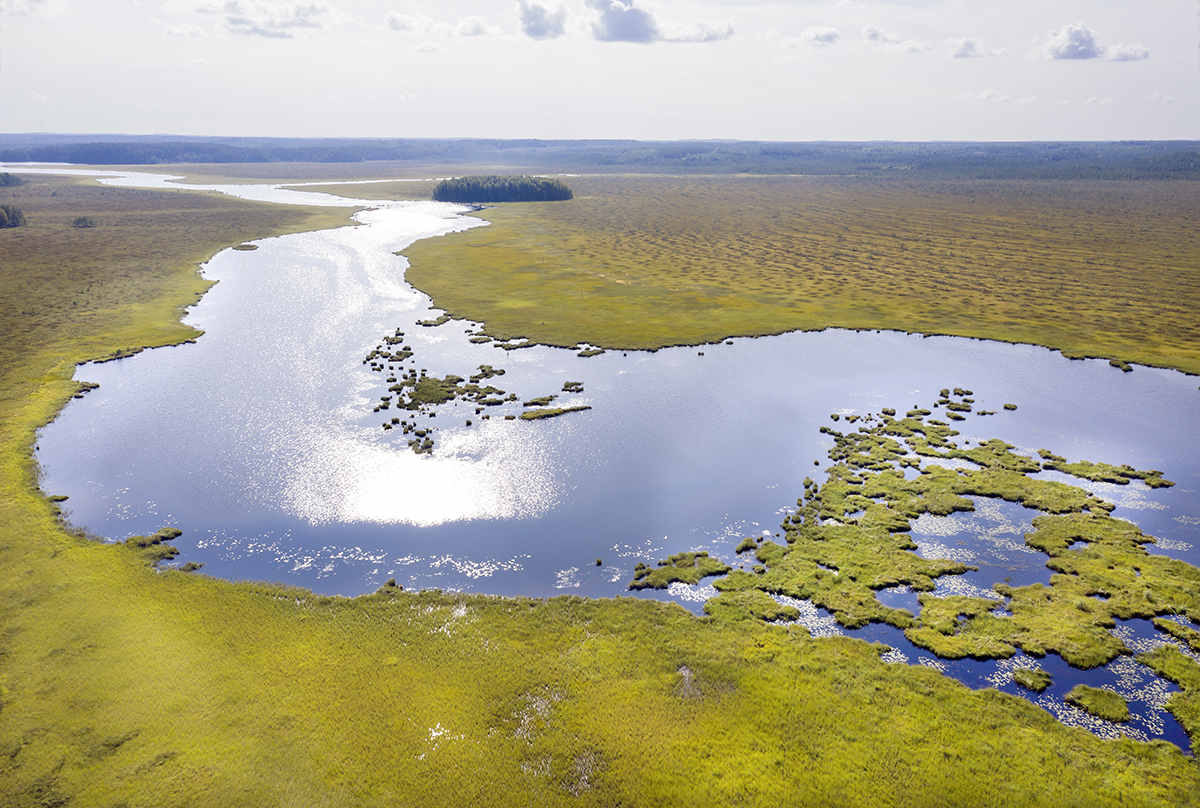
1034, 160
494, 188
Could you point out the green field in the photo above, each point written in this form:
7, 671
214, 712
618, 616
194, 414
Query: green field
1097, 268
122, 685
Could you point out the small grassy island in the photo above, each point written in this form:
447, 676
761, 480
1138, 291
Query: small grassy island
496, 188
126, 683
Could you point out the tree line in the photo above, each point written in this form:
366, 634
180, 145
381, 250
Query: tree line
497, 188
944, 160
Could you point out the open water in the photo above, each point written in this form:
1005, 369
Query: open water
260, 441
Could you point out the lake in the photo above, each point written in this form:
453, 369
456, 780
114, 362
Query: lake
261, 442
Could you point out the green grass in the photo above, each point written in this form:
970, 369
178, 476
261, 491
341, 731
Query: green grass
123, 685
1094, 268
688, 568
1034, 679
1100, 702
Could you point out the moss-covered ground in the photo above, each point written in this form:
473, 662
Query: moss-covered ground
124, 685
1092, 268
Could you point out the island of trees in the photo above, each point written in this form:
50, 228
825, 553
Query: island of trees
11, 216
496, 188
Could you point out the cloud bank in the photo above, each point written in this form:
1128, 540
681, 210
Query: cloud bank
969, 47
622, 21
542, 21
1079, 42
274, 20
821, 35
892, 42
421, 24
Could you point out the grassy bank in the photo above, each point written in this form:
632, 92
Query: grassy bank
121, 685
1094, 268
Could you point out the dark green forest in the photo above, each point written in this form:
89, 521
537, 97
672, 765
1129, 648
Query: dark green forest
968, 160
496, 188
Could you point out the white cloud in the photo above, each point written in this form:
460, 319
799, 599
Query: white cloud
873, 34
407, 23
428, 47
274, 20
1079, 42
474, 26
988, 94
622, 21
699, 31
421, 24
542, 21
1101, 102
893, 43
821, 35
1162, 99
19, 8
36, 96
969, 47
1127, 53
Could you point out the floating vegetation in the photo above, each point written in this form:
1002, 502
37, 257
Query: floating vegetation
1102, 472
551, 412
590, 352
245, 247
1100, 702
1123, 366
418, 392
848, 539
1034, 679
687, 568
442, 320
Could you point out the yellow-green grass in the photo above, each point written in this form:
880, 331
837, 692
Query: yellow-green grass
1092, 268
121, 685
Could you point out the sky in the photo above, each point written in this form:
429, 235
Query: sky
645, 69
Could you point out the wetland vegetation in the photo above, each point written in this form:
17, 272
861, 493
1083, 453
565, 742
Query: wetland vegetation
850, 538
124, 683
1093, 268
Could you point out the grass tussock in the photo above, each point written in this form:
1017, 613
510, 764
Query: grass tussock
1100, 702
643, 262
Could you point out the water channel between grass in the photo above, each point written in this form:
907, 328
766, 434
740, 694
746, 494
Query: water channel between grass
268, 444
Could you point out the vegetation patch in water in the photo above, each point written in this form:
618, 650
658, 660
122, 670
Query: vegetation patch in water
1100, 702
551, 412
688, 568
1103, 472
1034, 679
848, 539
